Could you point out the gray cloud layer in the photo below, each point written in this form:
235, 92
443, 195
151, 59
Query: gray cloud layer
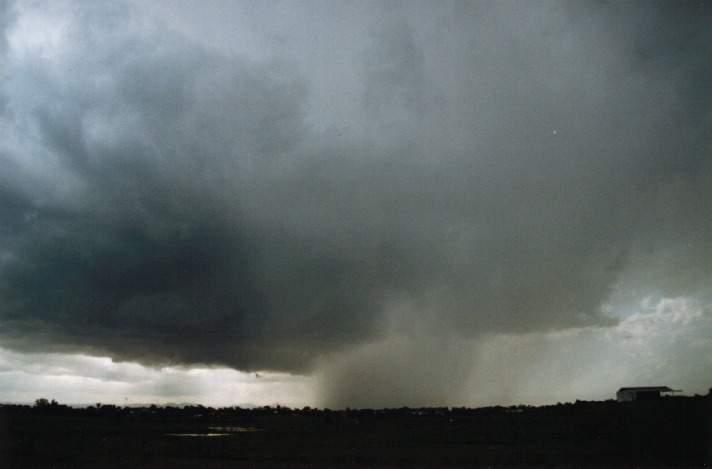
484, 167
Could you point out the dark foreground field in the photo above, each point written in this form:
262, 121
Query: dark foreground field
668, 432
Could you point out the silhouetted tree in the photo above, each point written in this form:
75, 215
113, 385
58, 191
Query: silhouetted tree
41, 402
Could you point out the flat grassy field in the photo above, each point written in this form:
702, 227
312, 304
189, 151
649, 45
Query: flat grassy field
670, 432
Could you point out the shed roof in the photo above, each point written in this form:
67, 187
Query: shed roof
650, 388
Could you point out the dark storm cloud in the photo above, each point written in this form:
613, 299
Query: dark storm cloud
503, 168
6, 15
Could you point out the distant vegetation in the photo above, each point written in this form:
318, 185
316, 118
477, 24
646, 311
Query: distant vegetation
672, 431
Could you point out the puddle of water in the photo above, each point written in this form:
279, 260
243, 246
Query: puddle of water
216, 431
234, 429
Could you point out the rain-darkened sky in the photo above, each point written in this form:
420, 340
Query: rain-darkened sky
354, 203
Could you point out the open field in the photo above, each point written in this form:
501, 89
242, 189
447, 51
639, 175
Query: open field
668, 432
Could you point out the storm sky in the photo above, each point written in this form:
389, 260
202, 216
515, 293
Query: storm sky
354, 203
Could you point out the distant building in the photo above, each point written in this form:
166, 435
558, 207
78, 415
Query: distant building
643, 393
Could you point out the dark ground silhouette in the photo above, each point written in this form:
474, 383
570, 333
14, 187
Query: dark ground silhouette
673, 431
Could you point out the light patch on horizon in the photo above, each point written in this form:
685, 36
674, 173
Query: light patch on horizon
667, 341
82, 379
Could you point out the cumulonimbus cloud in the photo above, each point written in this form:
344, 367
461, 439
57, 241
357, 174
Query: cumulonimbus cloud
504, 167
